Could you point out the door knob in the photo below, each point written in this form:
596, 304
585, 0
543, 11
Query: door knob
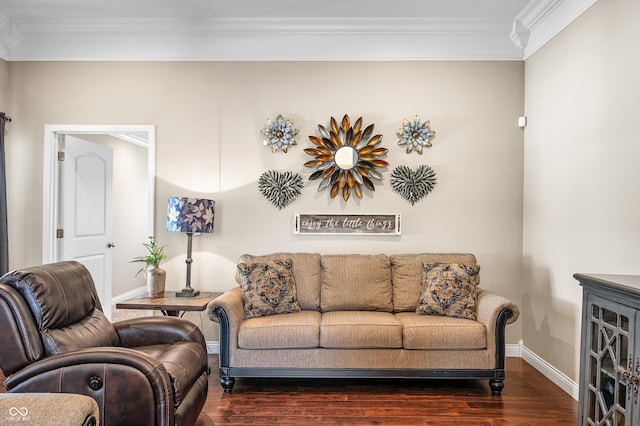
109, 245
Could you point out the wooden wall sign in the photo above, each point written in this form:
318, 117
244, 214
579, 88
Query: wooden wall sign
347, 224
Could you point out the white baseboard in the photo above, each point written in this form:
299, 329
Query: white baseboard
513, 350
551, 373
213, 347
132, 294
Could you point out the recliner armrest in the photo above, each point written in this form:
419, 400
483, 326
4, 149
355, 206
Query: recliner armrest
157, 330
111, 376
76, 359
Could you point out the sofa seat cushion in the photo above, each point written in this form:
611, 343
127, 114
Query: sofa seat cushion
154, 351
282, 331
356, 283
441, 333
360, 329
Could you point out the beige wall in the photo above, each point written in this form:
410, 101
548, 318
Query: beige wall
581, 197
208, 118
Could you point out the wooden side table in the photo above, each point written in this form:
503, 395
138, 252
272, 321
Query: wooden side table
170, 305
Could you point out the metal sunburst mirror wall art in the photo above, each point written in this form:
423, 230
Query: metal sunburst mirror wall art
280, 188
279, 134
415, 135
346, 157
413, 185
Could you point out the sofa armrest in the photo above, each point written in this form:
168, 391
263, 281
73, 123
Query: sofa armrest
495, 312
490, 305
157, 330
228, 310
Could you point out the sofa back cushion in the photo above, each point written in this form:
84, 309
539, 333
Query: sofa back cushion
407, 275
306, 272
355, 282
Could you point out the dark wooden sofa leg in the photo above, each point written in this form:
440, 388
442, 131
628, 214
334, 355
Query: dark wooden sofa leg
227, 383
496, 386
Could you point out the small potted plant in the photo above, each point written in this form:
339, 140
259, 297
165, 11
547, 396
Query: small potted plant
156, 276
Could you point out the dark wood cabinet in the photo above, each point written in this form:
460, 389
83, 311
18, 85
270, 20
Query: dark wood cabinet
610, 350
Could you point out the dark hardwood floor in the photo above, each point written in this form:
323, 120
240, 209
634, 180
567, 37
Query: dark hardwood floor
528, 398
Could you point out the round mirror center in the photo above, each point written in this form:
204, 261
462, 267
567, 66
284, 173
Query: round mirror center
346, 158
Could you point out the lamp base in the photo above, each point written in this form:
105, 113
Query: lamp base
187, 292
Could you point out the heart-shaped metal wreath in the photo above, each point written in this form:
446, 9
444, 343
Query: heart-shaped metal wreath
280, 188
413, 185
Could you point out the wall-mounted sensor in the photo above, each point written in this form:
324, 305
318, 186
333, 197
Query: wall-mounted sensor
522, 122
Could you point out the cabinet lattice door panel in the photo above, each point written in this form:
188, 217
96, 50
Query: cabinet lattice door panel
608, 363
610, 357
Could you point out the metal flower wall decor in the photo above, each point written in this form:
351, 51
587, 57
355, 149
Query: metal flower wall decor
346, 157
279, 133
280, 189
415, 135
413, 185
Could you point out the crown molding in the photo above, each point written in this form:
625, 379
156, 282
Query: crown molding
10, 36
529, 18
541, 20
290, 39
267, 39
269, 26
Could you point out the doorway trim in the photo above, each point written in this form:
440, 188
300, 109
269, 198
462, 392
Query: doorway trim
51, 179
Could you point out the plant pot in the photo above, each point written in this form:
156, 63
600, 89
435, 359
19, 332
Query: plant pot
156, 279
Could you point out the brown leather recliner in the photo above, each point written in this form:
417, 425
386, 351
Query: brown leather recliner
55, 338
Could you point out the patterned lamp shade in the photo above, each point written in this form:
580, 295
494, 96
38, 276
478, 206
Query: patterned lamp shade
186, 214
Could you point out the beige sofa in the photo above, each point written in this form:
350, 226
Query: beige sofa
46, 409
358, 320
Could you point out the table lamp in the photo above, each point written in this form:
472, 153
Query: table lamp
190, 215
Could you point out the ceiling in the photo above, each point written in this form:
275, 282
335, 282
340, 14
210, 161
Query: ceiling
280, 29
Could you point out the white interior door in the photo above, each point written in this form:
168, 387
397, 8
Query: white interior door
86, 210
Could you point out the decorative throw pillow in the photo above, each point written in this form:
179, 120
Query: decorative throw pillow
268, 288
449, 290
